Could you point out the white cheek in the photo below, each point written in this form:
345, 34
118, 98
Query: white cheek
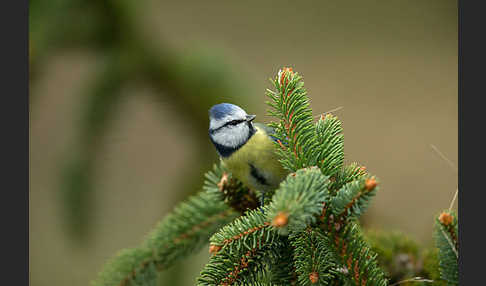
216, 123
232, 136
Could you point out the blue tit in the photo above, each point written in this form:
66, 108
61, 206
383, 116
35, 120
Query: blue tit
246, 149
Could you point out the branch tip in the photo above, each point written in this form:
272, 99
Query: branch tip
213, 249
370, 184
280, 220
445, 218
224, 180
314, 277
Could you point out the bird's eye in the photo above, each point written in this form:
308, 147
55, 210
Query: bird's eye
235, 122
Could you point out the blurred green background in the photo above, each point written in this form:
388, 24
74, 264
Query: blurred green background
122, 88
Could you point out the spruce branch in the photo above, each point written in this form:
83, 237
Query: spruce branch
130, 267
313, 259
282, 271
178, 235
299, 200
353, 198
188, 228
244, 233
295, 131
239, 197
357, 258
330, 156
308, 233
447, 243
346, 175
241, 265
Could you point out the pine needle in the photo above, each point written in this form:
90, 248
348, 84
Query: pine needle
449, 162
330, 111
450, 243
453, 166
453, 199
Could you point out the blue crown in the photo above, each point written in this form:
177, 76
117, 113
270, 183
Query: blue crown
218, 111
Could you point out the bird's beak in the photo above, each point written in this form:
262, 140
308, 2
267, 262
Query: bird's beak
250, 118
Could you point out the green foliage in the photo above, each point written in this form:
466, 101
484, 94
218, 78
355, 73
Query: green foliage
178, 235
431, 266
331, 144
281, 272
245, 232
234, 193
300, 197
131, 267
397, 254
447, 243
307, 234
358, 259
188, 228
313, 257
241, 263
346, 175
352, 199
295, 129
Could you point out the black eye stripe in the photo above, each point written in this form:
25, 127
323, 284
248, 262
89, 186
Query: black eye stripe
234, 122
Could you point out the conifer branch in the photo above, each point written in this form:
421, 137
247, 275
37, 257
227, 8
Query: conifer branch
313, 259
240, 266
244, 232
129, 267
295, 131
357, 258
346, 175
178, 235
283, 271
330, 156
447, 243
308, 234
239, 197
300, 198
354, 197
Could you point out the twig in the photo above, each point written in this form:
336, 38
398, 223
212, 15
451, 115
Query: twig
332, 110
452, 165
453, 199
450, 243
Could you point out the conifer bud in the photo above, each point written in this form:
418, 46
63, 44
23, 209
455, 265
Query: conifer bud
370, 184
445, 218
283, 73
314, 277
213, 249
280, 220
223, 181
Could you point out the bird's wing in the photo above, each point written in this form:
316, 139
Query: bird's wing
269, 130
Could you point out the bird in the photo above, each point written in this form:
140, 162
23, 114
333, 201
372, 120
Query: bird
246, 149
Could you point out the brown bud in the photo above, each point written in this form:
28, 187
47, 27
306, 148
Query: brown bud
445, 218
370, 184
223, 181
283, 73
314, 277
213, 249
280, 220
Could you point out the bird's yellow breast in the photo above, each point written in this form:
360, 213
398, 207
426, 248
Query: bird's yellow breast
256, 163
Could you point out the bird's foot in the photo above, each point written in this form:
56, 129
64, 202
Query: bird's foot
262, 202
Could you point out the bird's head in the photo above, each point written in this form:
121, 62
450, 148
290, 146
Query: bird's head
230, 127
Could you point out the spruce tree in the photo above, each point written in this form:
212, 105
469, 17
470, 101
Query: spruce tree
308, 231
